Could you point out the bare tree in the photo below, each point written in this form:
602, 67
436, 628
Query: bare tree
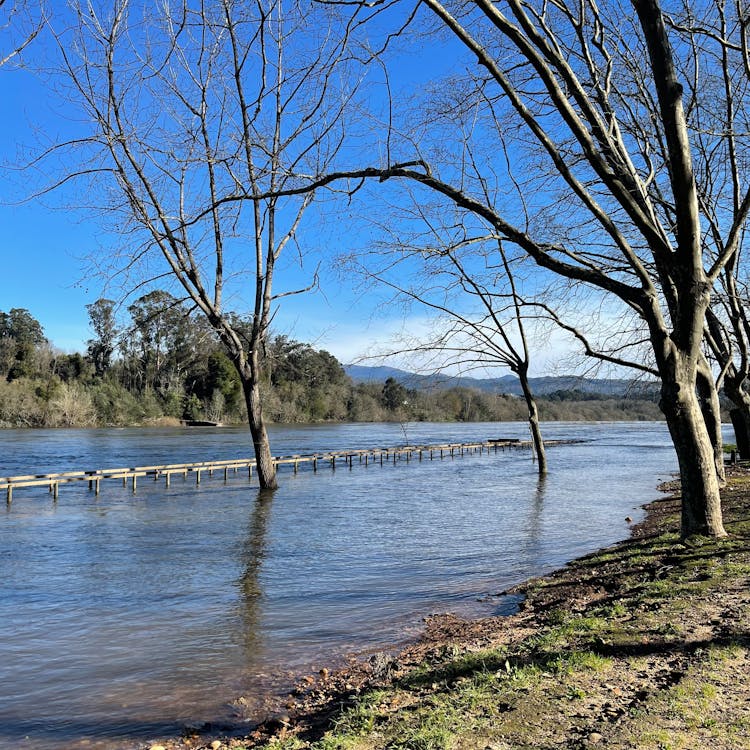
468, 282
655, 257
203, 115
20, 23
608, 122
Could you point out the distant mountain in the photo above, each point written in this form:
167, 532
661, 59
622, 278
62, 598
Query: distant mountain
506, 384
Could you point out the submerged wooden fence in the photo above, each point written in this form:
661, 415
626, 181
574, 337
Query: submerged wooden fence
201, 468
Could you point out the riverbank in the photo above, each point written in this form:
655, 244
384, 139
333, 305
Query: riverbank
644, 645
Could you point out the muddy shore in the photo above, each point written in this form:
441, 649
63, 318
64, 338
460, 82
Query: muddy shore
645, 644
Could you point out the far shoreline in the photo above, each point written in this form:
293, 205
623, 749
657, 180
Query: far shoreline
174, 422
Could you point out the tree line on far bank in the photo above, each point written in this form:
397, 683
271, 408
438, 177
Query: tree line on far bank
166, 365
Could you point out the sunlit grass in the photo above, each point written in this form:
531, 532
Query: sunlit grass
514, 696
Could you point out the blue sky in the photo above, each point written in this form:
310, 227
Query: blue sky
44, 246
45, 242
38, 245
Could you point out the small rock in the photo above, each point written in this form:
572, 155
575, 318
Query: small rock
279, 723
382, 666
628, 519
157, 747
324, 673
595, 738
308, 680
215, 745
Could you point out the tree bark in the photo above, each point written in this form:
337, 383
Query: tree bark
701, 502
265, 465
740, 414
711, 410
536, 432
741, 424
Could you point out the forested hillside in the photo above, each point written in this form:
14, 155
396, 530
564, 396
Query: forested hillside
163, 365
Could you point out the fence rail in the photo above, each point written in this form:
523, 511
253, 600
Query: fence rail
198, 468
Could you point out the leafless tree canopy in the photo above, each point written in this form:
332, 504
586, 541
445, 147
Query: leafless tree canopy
608, 143
208, 119
467, 282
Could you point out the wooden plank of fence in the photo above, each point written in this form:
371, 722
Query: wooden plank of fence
94, 477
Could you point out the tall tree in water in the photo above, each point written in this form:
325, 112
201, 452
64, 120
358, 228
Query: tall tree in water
203, 115
466, 280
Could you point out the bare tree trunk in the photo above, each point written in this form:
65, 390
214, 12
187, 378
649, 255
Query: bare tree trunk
265, 465
740, 414
536, 432
711, 410
222, 168
701, 502
741, 424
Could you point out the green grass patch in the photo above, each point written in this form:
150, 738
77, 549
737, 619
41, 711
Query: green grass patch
640, 645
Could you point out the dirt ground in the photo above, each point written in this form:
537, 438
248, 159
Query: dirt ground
643, 645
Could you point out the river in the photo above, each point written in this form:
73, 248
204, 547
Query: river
126, 617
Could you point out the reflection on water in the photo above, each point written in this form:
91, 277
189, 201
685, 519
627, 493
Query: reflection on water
129, 616
253, 552
533, 534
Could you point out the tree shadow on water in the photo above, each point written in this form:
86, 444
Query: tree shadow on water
252, 556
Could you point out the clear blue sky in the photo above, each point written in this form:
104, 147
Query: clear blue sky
44, 243
38, 245
44, 246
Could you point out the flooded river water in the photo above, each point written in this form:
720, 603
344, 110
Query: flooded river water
125, 617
